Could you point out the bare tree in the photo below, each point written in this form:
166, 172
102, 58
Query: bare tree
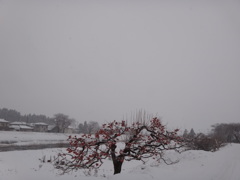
88, 128
227, 132
147, 141
62, 122
237, 136
93, 127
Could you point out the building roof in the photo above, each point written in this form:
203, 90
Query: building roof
51, 127
4, 121
18, 123
70, 127
41, 124
18, 127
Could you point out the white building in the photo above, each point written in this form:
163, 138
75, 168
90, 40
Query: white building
4, 125
40, 127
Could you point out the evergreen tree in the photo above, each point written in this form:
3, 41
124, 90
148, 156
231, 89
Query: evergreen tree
192, 134
185, 134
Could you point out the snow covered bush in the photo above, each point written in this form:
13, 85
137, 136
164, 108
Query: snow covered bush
119, 142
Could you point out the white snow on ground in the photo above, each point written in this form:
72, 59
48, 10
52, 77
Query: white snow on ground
198, 165
27, 138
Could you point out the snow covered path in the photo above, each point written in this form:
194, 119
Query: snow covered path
226, 163
198, 165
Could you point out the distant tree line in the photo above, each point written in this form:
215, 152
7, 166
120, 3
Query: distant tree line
13, 115
190, 134
88, 128
220, 135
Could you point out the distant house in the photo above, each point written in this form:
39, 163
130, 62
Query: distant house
4, 125
69, 130
40, 127
20, 126
53, 129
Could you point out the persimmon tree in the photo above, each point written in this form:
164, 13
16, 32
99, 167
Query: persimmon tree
138, 141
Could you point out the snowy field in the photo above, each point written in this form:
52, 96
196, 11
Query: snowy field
29, 138
198, 165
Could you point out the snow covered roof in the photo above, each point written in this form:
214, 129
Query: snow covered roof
25, 127
51, 127
18, 127
3, 121
15, 127
18, 123
41, 124
70, 127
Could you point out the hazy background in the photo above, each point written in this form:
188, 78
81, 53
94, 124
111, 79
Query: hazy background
102, 60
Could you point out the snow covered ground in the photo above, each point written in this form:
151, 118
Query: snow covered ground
198, 165
29, 138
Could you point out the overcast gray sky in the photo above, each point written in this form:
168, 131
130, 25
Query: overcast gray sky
100, 60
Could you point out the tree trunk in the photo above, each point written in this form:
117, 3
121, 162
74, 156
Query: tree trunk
117, 160
117, 166
236, 137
